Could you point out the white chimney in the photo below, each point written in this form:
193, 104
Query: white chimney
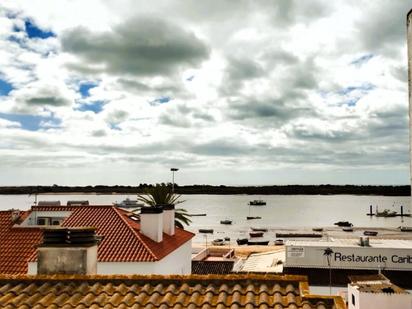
169, 219
151, 223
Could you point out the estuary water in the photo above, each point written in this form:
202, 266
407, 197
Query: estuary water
281, 211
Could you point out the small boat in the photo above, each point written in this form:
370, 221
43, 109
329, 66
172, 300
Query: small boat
197, 215
347, 229
317, 229
227, 222
128, 203
259, 229
279, 242
257, 203
218, 242
405, 228
386, 213
227, 238
253, 218
206, 231
343, 223
255, 234
258, 242
370, 233
242, 241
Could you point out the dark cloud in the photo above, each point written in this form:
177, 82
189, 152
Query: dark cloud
139, 46
383, 26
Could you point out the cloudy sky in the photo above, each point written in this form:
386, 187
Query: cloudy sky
230, 92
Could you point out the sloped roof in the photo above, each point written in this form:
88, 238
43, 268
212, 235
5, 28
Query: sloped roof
16, 245
212, 267
122, 240
193, 291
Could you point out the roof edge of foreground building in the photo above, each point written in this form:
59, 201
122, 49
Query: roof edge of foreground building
171, 291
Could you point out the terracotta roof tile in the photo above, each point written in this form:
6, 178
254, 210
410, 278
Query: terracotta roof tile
122, 240
240, 291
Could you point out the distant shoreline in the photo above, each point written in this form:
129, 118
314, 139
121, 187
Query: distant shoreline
216, 190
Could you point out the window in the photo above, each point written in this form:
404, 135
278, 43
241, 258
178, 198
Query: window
353, 299
56, 221
43, 221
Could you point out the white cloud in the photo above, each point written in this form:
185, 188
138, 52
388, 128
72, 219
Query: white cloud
253, 86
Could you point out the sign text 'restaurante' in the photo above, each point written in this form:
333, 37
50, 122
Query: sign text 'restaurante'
339, 257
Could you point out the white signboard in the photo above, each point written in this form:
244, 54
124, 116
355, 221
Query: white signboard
297, 252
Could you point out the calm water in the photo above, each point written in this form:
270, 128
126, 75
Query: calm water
281, 211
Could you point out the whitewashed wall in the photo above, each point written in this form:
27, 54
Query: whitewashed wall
378, 300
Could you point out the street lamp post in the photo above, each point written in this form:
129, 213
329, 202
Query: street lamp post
173, 170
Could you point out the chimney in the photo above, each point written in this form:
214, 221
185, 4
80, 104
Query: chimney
68, 251
169, 219
151, 222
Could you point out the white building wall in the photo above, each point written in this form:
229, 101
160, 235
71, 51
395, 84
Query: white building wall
178, 262
378, 300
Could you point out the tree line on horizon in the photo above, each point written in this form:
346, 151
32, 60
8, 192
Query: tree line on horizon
401, 190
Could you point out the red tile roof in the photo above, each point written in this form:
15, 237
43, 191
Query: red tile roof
122, 240
16, 245
194, 291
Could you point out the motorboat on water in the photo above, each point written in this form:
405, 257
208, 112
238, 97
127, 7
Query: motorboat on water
257, 203
259, 229
343, 223
347, 229
317, 229
253, 218
226, 222
128, 203
386, 213
242, 241
206, 231
405, 228
279, 242
255, 234
258, 242
218, 242
370, 233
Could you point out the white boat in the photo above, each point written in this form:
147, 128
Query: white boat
128, 203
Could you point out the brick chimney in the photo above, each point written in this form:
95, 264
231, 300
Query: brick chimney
68, 251
168, 219
151, 222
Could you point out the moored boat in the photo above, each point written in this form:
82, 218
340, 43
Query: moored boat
370, 233
218, 242
386, 213
258, 242
226, 221
343, 223
259, 229
206, 231
128, 203
317, 229
242, 241
257, 203
347, 229
405, 228
255, 234
253, 218
279, 242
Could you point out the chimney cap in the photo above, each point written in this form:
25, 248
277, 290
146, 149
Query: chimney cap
151, 210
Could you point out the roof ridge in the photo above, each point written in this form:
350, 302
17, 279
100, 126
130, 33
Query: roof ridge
135, 233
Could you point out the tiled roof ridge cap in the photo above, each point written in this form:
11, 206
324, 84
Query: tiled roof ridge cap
183, 278
135, 233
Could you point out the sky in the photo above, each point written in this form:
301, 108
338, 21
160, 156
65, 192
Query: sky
230, 92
